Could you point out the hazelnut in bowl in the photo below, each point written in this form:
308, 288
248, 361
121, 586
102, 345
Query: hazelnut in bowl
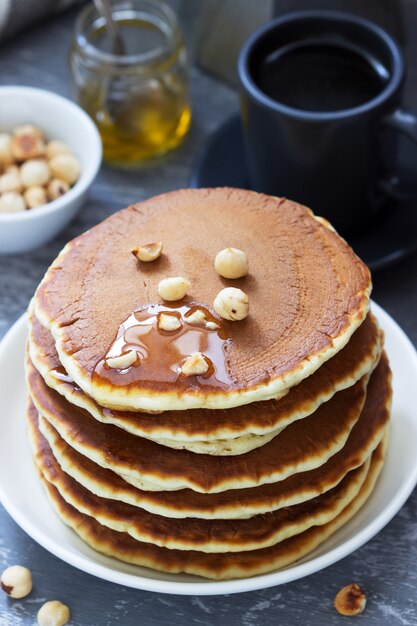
50, 153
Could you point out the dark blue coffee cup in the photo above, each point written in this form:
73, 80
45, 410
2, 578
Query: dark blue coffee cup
318, 90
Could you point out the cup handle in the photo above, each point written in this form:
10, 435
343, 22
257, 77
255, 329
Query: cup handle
404, 121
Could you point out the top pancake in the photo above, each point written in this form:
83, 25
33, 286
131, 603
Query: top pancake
308, 292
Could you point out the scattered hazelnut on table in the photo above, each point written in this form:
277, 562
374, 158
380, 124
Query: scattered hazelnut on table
168, 322
232, 304
123, 361
350, 600
194, 365
16, 581
53, 613
11, 202
231, 263
148, 252
174, 288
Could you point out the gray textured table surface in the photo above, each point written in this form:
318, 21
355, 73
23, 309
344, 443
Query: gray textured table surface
386, 566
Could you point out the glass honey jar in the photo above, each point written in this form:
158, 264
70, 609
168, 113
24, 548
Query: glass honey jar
139, 99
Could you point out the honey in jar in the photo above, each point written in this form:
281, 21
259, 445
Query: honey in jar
139, 99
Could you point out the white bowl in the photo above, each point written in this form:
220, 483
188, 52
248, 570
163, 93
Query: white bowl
59, 118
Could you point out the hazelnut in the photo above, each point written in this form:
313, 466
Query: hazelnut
56, 188
10, 180
6, 157
123, 361
12, 202
173, 288
65, 166
16, 581
231, 263
148, 252
55, 147
53, 613
35, 196
34, 173
232, 304
28, 130
26, 147
350, 600
194, 365
12, 169
212, 326
198, 317
169, 322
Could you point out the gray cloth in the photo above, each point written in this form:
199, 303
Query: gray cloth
18, 14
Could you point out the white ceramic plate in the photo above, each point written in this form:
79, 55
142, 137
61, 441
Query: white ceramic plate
24, 498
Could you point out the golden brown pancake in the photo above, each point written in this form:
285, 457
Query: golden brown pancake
179, 428
302, 446
218, 565
208, 536
308, 293
238, 503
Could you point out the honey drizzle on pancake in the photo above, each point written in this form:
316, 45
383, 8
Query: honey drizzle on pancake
161, 353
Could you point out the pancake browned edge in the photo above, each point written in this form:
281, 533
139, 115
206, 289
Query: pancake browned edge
215, 566
237, 503
186, 427
302, 446
209, 536
308, 294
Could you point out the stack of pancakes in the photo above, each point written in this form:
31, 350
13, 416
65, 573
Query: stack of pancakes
241, 470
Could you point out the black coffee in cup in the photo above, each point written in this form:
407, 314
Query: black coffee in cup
317, 89
320, 76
